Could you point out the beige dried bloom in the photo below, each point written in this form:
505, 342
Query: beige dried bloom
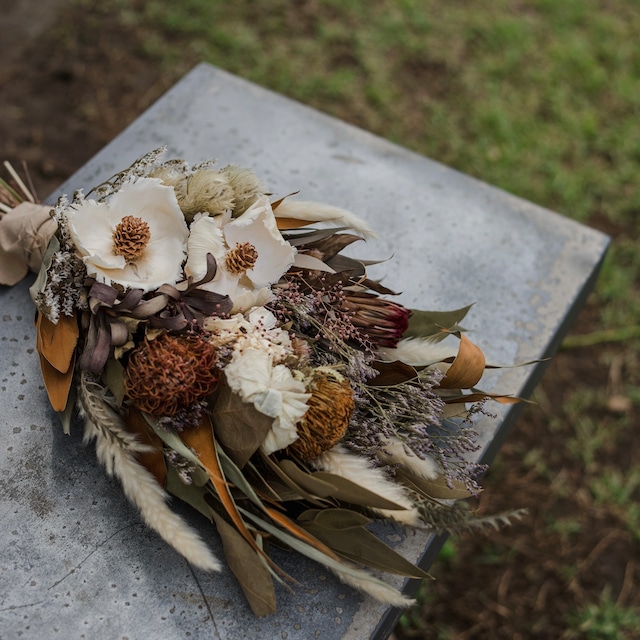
205, 191
246, 187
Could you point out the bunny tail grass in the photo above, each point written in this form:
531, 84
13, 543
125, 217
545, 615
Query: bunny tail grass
115, 449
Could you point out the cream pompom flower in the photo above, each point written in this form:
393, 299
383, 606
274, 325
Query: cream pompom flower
250, 252
137, 239
272, 390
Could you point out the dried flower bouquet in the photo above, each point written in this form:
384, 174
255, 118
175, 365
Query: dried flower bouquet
221, 348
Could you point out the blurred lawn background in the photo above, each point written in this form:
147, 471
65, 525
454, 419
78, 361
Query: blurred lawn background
542, 99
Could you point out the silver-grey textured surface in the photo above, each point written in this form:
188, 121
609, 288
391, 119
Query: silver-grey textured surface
76, 560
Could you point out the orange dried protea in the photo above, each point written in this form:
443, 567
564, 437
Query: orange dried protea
327, 418
171, 373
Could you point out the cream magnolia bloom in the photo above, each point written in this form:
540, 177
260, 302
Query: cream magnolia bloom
272, 390
250, 252
137, 239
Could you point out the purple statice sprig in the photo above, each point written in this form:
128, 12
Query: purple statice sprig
319, 316
413, 413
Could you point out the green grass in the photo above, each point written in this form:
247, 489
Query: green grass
606, 620
538, 97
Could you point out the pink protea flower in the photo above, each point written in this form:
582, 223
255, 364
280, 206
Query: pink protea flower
383, 321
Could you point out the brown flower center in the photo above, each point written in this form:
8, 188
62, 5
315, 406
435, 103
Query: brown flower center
241, 258
130, 238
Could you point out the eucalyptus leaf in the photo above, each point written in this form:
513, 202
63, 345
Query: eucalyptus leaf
191, 494
435, 324
67, 414
239, 426
113, 378
436, 488
307, 481
314, 554
312, 236
173, 441
339, 531
338, 518
41, 279
297, 491
235, 476
248, 567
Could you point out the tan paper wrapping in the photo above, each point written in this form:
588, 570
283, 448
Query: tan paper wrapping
24, 235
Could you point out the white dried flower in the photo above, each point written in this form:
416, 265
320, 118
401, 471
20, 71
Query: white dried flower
137, 239
250, 252
272, 390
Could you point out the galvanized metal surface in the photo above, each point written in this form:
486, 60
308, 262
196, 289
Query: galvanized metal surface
76, 560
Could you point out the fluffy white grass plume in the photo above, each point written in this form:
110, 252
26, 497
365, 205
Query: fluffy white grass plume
393, 452
419, 352
115, 449
315, 211
376, 589
339, 461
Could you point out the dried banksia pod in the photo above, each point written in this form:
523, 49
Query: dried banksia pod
171, 373
330, 409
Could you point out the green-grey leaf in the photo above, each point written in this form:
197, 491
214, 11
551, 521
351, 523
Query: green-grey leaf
436, 488
430, 324
67, 415
338, 518
313, 553
192, 494
248, 568
41, 279
359, 545
239, 426
307, 481
113, 378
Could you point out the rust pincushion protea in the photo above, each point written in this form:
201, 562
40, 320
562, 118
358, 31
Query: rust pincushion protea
330, 409
170, 373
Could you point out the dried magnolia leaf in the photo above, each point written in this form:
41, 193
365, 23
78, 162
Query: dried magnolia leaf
249, 569
467, 368
57, 384
153, 459
239, 426
392, 373
57, 342
285, 224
